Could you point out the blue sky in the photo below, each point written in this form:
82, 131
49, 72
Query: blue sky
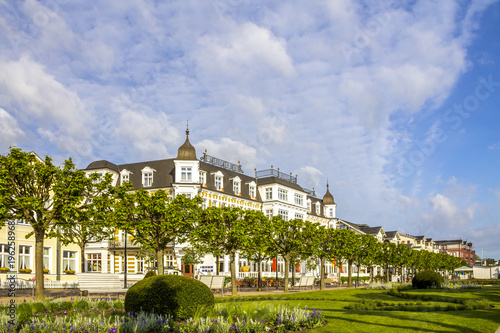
394, 102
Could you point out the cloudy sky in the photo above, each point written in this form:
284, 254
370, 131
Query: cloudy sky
394, 102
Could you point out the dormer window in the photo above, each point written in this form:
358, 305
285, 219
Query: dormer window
251, 191
236, 185
186, 173
317, 208
147, 177
125, 176
219, 181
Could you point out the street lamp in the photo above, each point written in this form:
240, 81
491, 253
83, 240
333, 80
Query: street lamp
125, 262
276, 272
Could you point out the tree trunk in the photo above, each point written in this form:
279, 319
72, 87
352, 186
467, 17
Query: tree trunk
349, 273
287, 262
159, 261
234, 287
217, 265
292, 266
386, 273
259, 277
357, 279
82, 258
322, 274
39, 291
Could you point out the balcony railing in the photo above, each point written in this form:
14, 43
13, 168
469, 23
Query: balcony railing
275, 173
121, 244
221, 163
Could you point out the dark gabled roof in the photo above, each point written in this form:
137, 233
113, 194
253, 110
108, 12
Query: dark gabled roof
419, 237
371, 230
163, 174
391, 234
454, 241
102, 164
227, 182
277, 180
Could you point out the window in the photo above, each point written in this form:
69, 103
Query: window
4, 255
93, 262
283, 214
251, 191
299, 216
236, 187
214, 203
218, 182
125, 178
24, 256
317, 208
139, 265
69, 260
98, 179
147, 179
282, 194
46, 258
170, 259
330, 212
269, 213
203, 177
204, 204
299, 199
186, 173
309, 206
269, 193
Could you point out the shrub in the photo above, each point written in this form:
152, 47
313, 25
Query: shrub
427, 279
149, 274
173, 295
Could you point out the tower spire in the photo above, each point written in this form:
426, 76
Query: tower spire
187, 128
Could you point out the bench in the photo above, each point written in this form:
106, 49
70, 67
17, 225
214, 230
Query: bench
214, 282
99, 283
305, 281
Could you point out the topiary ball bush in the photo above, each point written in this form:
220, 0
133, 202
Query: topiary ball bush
427, 279
150, 274
173, 295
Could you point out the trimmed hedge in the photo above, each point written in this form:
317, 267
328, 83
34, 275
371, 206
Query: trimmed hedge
149, 274
173, 295
427, 279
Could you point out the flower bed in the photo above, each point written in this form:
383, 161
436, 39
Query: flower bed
108, 316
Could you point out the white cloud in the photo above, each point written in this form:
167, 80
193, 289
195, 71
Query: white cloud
230, 151
311, 176
446, 214
245, 54
10, 132
35, 98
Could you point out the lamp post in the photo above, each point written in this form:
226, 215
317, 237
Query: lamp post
125, 263
276, 272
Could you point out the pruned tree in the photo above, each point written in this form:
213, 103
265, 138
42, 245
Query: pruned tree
37, 191
286, 239
225, 231
91, 220
155, 219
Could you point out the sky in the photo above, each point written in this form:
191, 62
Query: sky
394, 103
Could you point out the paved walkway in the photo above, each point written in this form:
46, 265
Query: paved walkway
27, 295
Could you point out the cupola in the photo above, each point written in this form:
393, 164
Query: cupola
186, 151
328, 197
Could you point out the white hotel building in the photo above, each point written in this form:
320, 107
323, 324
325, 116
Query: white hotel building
220, 184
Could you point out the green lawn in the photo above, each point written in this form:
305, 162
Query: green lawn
440, 310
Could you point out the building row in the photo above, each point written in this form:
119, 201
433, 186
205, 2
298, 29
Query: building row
220, 184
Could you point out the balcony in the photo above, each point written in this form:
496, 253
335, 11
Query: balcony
275, 173
121, 244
